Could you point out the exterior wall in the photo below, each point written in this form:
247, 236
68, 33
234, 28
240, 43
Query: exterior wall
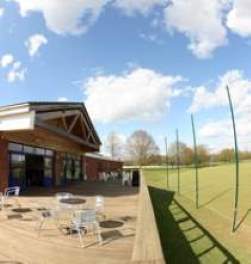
58, 168
93, 166
4, 164
91, 169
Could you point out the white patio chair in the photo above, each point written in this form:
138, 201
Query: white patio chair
100, 176
126, 178
50, 214
106, 176
113, 175
83, 221
10, 192
1, 201
100, 205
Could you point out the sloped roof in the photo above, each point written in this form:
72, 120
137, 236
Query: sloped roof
40, 108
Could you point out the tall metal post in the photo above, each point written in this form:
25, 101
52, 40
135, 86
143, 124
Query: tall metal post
178, 158
236, 198
167, 172
195, 163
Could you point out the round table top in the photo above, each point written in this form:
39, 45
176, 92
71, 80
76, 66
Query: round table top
73, 201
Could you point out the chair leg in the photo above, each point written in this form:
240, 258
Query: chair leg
80, 237
40, 227
99, 237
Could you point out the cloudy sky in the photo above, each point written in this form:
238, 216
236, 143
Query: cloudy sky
136, 64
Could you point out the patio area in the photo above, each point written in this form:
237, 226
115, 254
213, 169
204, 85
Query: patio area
20, 241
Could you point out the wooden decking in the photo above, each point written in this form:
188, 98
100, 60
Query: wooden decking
20, 243
147, 247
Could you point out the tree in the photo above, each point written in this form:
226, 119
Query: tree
226, 155
141, 147
188, 156
185, 154
114, 145
245, 155
203, 155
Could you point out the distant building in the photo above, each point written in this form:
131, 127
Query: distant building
96, 163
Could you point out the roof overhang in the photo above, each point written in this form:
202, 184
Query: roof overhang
15, 118
28, 116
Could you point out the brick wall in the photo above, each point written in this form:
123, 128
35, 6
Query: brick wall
94, 166
91, 169
4, 164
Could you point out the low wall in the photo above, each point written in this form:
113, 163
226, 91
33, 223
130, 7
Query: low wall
147, 246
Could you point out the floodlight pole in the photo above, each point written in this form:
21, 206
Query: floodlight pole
178, 158
167, 172
195, 163
236, 199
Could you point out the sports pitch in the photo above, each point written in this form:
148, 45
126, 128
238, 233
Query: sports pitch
215, 213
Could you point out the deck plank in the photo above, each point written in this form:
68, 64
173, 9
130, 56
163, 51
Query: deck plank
19, 241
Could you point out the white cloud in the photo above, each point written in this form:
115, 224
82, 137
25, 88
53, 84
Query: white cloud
135, 95
62, 99
6, 60
1, 11
130, 7
201, 21
34, 42
240, 88
64, 16
218, 133
17, 72
239, 18
13, 75
151, 38
215, 128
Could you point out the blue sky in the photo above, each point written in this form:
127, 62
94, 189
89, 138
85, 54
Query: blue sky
136, 64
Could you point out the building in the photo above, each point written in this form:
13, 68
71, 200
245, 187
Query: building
43, 143
96, 163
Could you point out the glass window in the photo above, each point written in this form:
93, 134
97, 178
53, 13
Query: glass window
48, 173
15, 147
17, 177
72, 167
48, 152
48, 163
18, 173
17, 160
39, 151
29, 150
77, 173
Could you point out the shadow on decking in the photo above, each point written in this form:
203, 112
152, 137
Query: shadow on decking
10, 262
183, 239
109, 189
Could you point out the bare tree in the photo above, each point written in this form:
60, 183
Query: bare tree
141, 147
185, 154
203, 155
114, 145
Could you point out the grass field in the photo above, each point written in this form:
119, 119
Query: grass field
211, 241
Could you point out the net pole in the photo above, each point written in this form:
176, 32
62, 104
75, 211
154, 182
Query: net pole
236, 198
178, 158
195, 163
167, 171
